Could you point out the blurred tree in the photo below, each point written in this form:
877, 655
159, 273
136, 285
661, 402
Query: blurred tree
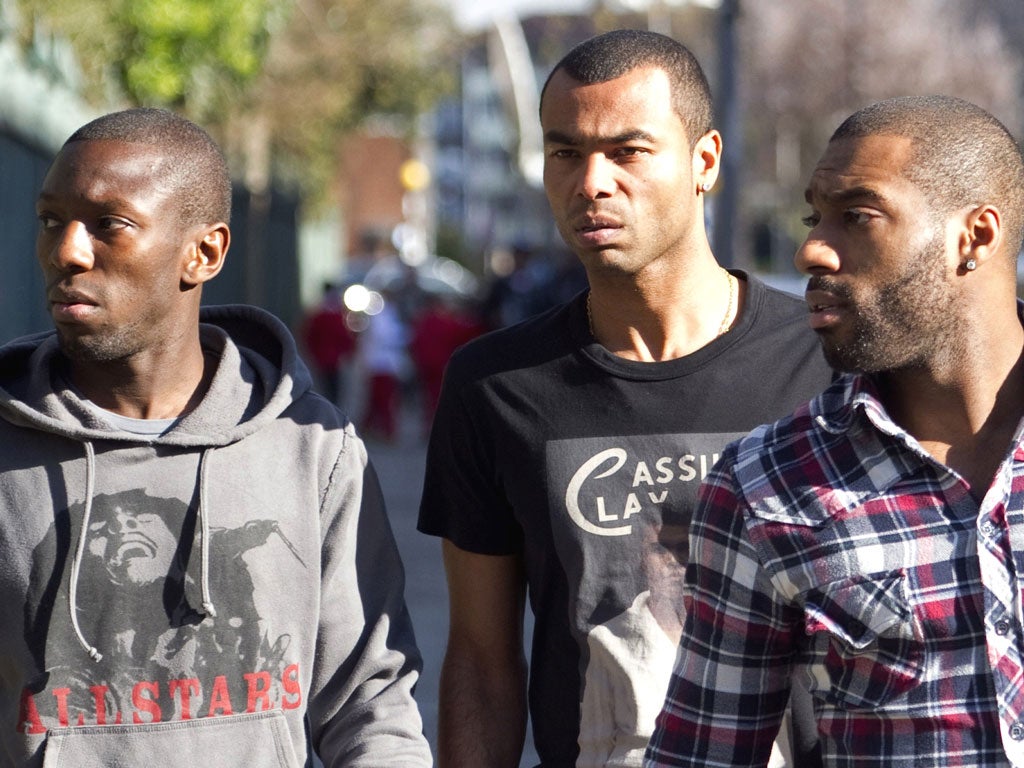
807, 64
335, 65
277, 81
189, 55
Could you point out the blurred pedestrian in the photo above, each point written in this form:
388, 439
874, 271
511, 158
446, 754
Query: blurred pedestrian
441, 328
512, 295
329, 343
384, 351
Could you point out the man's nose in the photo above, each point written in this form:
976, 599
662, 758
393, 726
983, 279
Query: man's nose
72, 249
598, 177
817, 255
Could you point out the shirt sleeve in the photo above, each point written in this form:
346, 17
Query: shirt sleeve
730, 686
463, 498
361, 710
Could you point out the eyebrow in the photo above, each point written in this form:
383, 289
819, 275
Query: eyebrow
841, 196
105, 206
557, 137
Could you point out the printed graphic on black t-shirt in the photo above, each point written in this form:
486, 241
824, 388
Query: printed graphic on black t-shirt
624, 508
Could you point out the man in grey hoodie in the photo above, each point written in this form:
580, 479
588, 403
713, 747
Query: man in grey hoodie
197, 567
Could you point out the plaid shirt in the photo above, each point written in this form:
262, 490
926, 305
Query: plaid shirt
831, 549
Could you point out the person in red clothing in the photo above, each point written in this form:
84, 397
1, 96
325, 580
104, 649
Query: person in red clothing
329, 342
440, 329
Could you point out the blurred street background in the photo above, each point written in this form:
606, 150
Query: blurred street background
386, 156
399, 465
392, 147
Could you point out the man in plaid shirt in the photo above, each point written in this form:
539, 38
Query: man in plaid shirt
872, 544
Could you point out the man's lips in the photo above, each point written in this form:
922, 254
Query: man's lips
70, 304
597, 230
826, 308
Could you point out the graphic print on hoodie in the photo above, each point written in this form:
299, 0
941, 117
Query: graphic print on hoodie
133, 550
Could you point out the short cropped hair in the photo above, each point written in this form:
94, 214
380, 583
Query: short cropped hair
198, 170
962, 155
619, 52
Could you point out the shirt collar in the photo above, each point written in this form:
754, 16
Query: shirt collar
853, 401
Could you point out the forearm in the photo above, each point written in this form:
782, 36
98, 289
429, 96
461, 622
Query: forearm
482, 717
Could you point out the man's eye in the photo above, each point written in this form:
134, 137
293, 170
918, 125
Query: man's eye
46, 221
810, 220
110, 223
857, 217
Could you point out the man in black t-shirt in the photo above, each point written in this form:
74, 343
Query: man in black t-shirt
567, 450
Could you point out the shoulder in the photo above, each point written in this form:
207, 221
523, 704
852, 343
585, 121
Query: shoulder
33, 353
772, 305
778, 335
781, 468
829, 411
531, 343
771, 360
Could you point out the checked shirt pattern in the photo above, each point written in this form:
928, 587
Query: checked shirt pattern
831, 551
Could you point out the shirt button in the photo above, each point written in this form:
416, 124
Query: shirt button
1002, 627
987, 527
1017, 731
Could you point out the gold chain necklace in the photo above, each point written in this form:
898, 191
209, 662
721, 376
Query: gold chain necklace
723, 328
727, 320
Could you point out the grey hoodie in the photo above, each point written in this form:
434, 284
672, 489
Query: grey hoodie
227, 593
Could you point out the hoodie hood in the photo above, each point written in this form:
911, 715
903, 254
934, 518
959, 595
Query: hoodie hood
259, 375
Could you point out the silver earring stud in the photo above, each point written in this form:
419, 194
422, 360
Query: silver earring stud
705, 187
970, 265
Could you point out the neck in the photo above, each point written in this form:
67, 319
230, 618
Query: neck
966, 420
146, 390
668, 320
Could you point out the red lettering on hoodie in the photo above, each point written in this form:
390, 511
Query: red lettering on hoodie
258, 692
290, 683
99, 695
146, 703
28, 715
61, 695
220, 698
186, 687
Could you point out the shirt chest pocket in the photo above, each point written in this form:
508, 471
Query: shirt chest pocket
864, 646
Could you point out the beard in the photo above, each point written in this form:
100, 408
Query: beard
107, 346
902, 324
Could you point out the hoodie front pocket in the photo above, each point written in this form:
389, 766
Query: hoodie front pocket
865, 648
254, 741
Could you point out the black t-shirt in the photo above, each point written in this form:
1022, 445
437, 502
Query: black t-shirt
545, 443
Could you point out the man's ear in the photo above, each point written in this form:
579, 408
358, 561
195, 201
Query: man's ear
707, 158
207, 256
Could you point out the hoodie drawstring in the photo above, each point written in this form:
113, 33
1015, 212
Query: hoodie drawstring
204, 544
83, 535
76, 563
